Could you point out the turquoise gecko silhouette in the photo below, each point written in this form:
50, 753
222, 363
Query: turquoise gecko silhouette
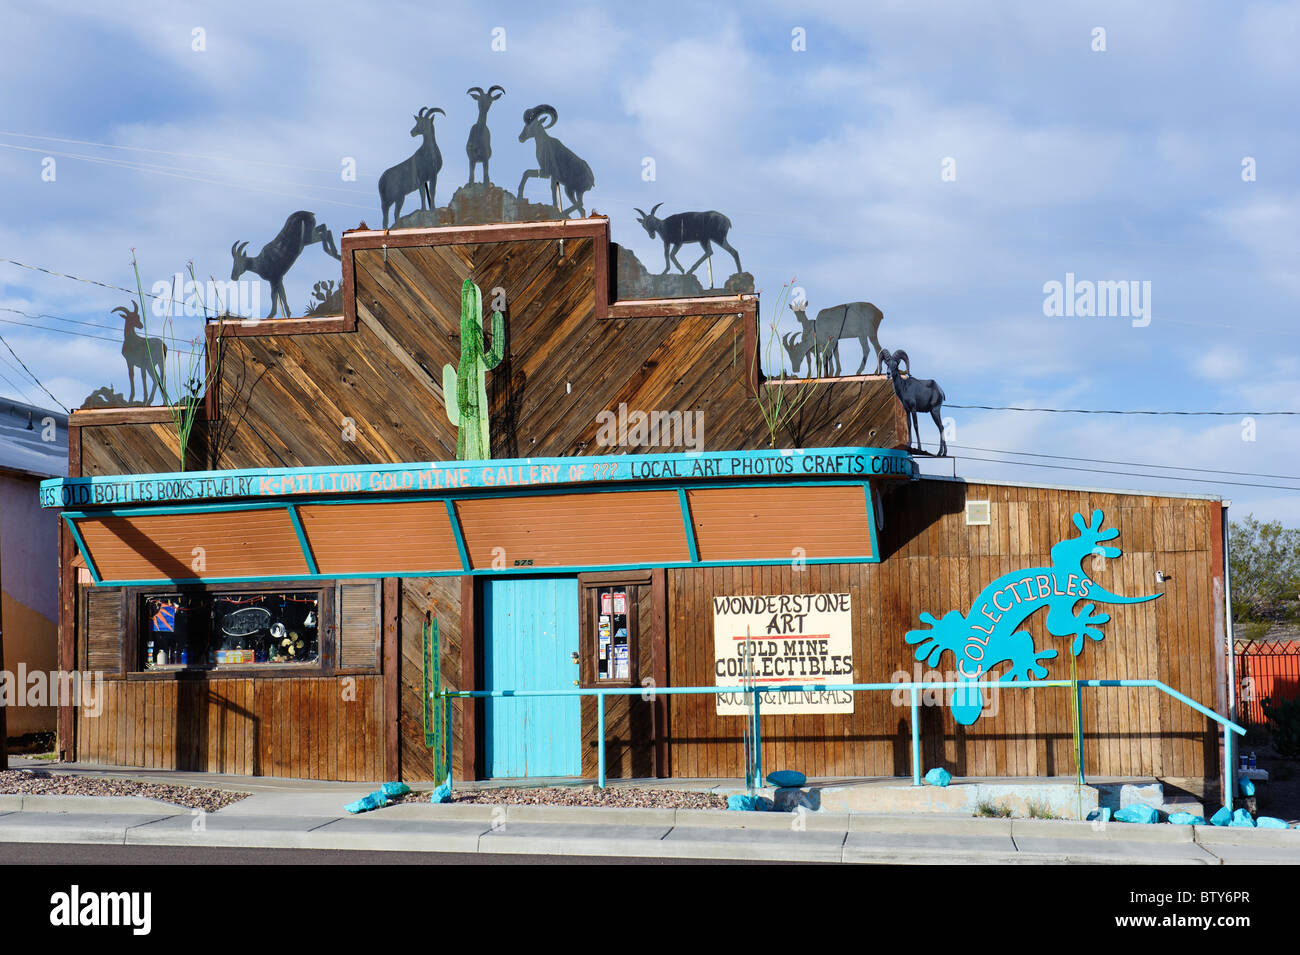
989, 636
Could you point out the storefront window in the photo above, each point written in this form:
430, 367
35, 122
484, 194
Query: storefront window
264, 628
223, 629
171, 637
613, 645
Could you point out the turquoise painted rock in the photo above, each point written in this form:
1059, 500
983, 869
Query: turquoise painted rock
392, 790
442, 793
1247, 786
1271, 822
1186, 819
375, 800
1100, 815
743, 803
1242, 820
1142, 814
787, 778
1222, 817
938, 776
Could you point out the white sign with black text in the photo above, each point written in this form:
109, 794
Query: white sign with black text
790, 639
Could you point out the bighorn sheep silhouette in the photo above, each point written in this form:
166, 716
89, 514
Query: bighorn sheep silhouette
419, 171
147, 354
851, 320
277, 256
479, 145
555, 161
689, 227
915, 394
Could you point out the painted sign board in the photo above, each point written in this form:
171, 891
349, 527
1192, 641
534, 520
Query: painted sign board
990, 633
785, 638
519, 475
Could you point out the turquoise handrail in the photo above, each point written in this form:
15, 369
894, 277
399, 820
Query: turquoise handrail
1229, 727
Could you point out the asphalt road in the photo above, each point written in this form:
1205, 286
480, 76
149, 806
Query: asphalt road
44, 853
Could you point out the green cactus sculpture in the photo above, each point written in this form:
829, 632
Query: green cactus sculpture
464, 388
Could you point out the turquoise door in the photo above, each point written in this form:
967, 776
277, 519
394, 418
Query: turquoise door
531, 630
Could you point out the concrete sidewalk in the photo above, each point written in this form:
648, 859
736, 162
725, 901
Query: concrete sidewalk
650, 833
285, 813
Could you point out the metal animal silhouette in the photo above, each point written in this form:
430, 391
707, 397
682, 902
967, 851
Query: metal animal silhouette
801, 346
915, 394
419, 171
851, 320
147, 354
555, 161
682, 228
989, 633
479, 145
277, 256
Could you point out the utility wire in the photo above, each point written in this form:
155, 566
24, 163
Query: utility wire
33, 376
1136, 464
1229, 414
1156, 477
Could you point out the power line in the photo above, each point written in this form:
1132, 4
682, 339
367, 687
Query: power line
1228, 414
1136, 464
76, 278
65, 331
1156, 477
33, 376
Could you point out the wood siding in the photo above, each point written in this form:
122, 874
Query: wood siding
934, 562
317, 728
438, 597
780, 523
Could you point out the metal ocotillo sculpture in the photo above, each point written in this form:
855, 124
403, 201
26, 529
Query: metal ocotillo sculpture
555, 161
915, 394
277, 256
464, 388
858, 320
419, 171
682, 228
479, 145
147, 354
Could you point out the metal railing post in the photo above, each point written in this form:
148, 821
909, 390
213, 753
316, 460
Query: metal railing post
600, 741
758, 741
1229, 770
916, 736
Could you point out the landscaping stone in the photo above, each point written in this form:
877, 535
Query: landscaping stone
1100, 815
374, 800
787, 778
1186, 819
938, 776
1271, 822
1138, 814
1222, 817
744, 803
1241, 819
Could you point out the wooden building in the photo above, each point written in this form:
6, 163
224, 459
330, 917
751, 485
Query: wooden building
267, 610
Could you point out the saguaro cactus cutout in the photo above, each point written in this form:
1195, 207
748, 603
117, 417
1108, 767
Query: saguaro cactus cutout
464, 388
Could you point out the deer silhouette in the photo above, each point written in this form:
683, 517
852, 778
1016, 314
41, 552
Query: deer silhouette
418, 172
479, 145
147, 354
858, 320
277, 256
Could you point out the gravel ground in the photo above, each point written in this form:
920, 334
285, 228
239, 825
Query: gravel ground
38, 782
621, 797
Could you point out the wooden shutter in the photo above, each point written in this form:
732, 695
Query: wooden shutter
360, 624
103, 630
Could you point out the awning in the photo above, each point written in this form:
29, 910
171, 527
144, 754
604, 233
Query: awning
479, 517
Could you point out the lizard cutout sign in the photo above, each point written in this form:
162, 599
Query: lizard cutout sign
989, 634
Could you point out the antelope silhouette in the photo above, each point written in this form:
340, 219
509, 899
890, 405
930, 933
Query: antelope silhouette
277, 256
147, 354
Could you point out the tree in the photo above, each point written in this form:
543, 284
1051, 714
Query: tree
1265, 565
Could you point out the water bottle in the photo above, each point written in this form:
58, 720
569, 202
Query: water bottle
185, 656
1243, 762
1252, 759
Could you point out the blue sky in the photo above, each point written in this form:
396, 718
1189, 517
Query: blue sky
1122, 164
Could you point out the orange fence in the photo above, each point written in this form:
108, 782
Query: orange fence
1265, 669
